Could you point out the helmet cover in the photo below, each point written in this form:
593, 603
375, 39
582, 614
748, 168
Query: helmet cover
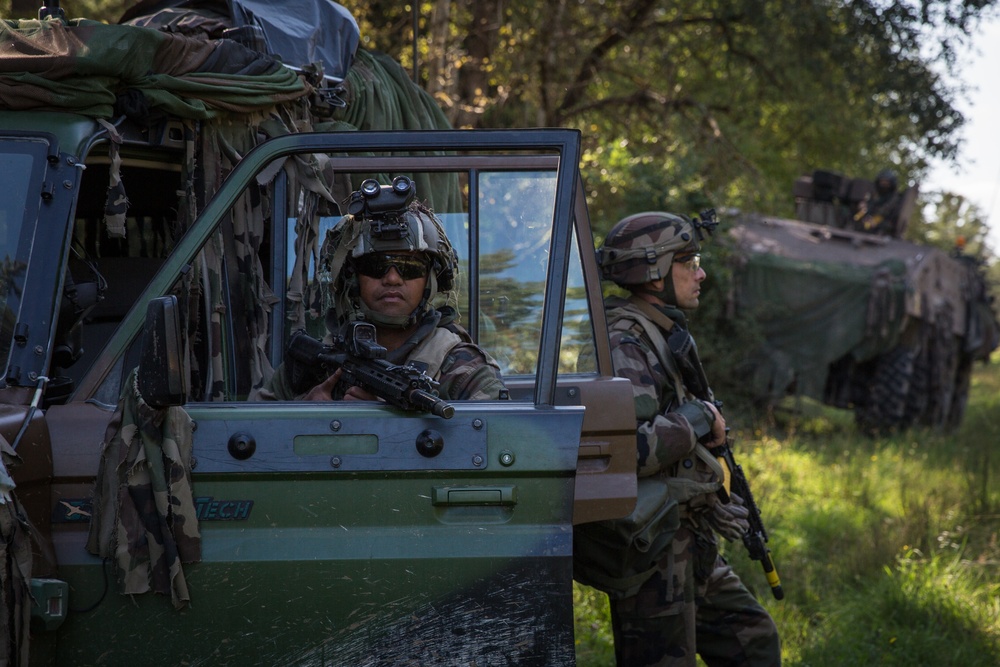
641, 247
414, 228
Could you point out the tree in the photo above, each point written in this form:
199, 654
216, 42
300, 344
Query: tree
950, 222
726, 101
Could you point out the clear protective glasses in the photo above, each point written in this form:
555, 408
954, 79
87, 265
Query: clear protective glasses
691, 262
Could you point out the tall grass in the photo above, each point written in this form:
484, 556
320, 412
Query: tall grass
887, 548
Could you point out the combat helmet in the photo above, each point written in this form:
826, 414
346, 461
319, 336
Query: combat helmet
384, 218
642, 246
886, 182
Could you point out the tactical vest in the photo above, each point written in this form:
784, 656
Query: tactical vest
431, 351
638, 312
618, 555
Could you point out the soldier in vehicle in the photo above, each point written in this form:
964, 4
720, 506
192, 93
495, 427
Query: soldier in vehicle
389, 267
878, 214
693, 602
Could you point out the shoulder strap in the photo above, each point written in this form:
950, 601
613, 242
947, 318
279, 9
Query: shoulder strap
634, 312
652, 313
663, 353
432, 350
682, 347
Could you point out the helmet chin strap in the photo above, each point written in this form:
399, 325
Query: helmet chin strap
666, 294
401, 322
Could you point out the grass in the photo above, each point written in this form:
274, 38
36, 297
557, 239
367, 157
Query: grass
888, 549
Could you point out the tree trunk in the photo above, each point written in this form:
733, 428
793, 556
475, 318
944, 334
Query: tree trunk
473, 81
438, 73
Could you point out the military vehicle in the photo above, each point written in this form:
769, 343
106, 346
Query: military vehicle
858, 319
166, 194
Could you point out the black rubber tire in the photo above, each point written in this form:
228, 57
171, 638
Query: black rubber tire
960, 397
885, 408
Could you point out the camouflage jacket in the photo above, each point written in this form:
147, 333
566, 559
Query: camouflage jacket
464, 370
670, 419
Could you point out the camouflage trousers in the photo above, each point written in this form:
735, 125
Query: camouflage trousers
676, 615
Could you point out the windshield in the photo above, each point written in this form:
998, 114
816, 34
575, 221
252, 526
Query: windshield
503, 211
503, 253
18, 169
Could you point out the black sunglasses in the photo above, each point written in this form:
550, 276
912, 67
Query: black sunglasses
376, 265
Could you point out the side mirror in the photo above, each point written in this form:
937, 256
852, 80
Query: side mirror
162, 381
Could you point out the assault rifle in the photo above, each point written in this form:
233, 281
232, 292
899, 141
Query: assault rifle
362, 363
755, 538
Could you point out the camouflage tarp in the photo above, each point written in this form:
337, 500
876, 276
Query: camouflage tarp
813, 313
87, 67
824, 295
144, 514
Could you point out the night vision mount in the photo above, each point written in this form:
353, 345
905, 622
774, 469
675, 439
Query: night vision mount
708, 221
384, 205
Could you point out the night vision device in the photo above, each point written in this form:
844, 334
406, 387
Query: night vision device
384, 205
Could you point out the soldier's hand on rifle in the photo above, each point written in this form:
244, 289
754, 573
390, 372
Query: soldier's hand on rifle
730, 519
718, 427
324, 390
358, 394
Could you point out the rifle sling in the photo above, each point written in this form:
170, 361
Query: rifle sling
681, 345
659, 346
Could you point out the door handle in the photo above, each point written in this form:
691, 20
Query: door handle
474, 495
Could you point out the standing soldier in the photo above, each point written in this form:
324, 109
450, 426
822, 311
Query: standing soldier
692, 601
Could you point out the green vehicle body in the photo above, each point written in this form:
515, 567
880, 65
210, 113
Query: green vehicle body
876, 324
328, 535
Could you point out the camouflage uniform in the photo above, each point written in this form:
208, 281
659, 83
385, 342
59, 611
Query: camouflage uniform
436, 343
693, 602
144, 514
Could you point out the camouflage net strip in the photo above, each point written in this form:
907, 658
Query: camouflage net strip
15, 568
144, 513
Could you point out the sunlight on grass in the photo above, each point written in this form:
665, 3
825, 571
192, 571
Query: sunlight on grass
594, 642
887, 548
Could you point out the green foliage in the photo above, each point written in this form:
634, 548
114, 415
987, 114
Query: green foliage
887, 548
949, 221
705, 101
595, 644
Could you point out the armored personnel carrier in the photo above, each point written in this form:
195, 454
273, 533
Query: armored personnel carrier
855, 316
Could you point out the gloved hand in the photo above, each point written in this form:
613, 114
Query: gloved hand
730, 519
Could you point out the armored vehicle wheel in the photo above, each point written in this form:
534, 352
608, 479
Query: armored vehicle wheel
960, 397
885, 407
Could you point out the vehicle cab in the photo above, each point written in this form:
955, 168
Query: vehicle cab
327, 534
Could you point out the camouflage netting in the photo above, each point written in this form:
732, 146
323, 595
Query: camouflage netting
814, 313
15, 567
